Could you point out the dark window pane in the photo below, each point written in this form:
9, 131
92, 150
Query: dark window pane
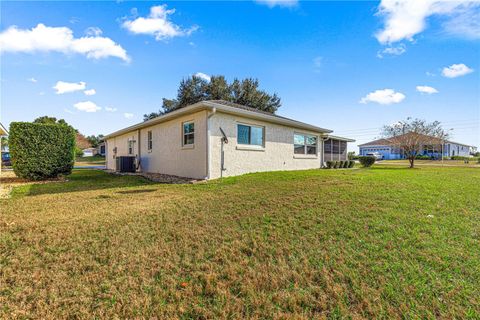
311, 150
243, 134
188, 139
335, 147
256, 136
298, 149
328, 146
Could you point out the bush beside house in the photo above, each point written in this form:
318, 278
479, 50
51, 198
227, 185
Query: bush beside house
366, 161
340, 164
41, 151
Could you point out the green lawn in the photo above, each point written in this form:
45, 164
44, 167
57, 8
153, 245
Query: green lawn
96, 160
384, 242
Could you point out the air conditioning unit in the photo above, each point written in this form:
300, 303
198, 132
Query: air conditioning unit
125, 164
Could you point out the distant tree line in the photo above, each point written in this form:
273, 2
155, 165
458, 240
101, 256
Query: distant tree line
195, 89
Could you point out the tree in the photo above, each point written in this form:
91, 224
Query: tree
411, 136
80, 140
4, 143
95, 140
195, 89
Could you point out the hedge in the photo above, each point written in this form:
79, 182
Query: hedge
41, 151
367, 161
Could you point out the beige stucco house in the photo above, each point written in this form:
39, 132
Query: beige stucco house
213, 139
3, 133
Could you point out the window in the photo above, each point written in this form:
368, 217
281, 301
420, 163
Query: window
304, 144
149, 140
188, 133
130, 146
251, 135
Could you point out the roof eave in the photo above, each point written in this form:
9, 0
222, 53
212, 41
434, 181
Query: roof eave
223, 108
266, 117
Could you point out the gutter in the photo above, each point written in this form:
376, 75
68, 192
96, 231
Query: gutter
221, 108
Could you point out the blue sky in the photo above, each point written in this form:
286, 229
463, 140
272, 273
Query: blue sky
340, 65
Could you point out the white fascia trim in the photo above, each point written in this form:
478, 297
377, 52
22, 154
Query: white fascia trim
266, 117
223, 108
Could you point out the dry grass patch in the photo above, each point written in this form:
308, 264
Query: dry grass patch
306, 244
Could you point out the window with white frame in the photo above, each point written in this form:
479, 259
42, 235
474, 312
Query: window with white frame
304, 144
149, 141
188, 133
251, 135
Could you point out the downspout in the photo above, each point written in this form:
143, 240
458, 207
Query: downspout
322, 155
139, 163
209, 115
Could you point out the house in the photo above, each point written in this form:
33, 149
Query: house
213, 139
101, 149
388, 148
3, 133
89, 152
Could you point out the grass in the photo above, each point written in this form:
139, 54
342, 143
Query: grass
96, 160
473, 163
384, 242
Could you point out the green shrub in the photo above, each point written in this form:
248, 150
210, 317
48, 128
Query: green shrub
460, 158
345, 164
340, 164
422, 157
351, 164
367, 161
330, 164
336, 164
78, 152
41, 151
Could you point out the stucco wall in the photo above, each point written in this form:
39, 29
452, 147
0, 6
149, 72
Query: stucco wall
121, 142
168, 155
277, 153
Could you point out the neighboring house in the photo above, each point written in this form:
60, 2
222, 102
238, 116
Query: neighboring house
3, 133
89, 152
389, 150
101, 149
211, 139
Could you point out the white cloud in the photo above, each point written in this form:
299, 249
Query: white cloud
90, 92
158, 24
203, 76
87, 106
385, 97
59, 39
33, 80
405, 19
110, 109
64, 87
426, 89
128, 115
68, 111
430, 74
393, 51
456, 70
279, 3
93, 31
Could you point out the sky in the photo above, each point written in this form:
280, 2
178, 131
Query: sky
348, 66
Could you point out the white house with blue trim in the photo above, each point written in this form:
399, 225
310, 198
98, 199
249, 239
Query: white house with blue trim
389, 150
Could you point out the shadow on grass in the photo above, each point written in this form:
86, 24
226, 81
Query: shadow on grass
84, 180
136, 191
